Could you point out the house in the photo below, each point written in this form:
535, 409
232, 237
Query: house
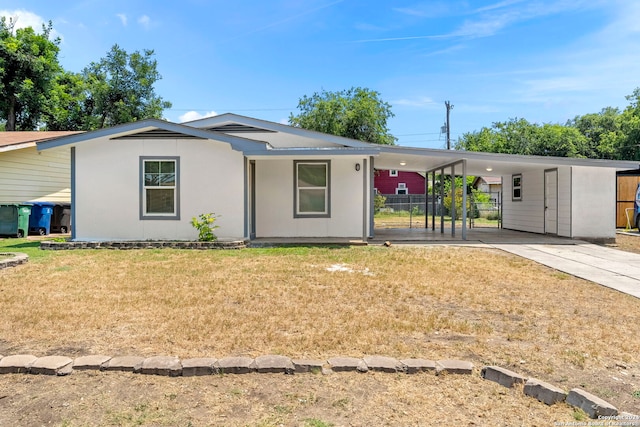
491, 185
145, 181
27, 174
394, 181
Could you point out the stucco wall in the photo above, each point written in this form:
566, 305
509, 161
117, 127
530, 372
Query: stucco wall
274, 200
593, 203
526, 214
107, 203
29, 175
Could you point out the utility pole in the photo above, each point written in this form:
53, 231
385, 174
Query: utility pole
447, 124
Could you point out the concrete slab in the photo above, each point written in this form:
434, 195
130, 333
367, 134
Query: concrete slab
199, 366
454, 367
96, 362
274, 364
308, 365
168, 366
17, 363
52, 365
236, 365
125, 363
413, 366
609, 267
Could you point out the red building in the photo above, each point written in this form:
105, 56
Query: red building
398, 182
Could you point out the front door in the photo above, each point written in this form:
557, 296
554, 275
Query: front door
551, 201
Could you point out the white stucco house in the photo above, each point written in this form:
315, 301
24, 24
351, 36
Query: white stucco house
145, 181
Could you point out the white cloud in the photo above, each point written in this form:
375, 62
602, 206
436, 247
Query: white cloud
23, 18
123, 18
145, 21
194, 115
419, 102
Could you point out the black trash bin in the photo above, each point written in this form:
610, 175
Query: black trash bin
61, 219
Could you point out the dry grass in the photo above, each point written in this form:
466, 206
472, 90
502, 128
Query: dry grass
434, 302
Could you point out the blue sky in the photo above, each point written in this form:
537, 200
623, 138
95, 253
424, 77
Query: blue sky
545, 61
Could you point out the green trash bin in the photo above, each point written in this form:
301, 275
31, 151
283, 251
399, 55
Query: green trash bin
14, 220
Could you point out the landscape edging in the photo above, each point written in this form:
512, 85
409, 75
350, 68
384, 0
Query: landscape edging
17, 258
171, 366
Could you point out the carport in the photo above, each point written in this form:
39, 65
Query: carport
566, 197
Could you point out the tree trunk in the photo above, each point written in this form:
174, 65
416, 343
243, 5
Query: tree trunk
11, 116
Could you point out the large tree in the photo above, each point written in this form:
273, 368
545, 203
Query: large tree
28, 66
120, 89
356, 113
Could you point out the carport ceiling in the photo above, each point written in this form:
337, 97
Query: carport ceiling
480, 164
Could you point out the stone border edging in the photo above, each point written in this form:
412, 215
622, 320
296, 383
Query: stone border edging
17, 258
171, 366
143, 244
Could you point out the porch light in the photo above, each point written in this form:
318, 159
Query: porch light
403, 163
489, 169
357, 167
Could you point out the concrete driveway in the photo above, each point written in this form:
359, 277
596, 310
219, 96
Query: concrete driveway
600, 264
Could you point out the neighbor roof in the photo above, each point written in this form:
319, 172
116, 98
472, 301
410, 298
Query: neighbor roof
14, 140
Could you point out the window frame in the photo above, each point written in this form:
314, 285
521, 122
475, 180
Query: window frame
516, 178
296, 190
175, 215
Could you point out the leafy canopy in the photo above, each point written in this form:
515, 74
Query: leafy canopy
356, 113
28, 66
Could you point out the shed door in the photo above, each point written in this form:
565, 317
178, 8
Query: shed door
551, 201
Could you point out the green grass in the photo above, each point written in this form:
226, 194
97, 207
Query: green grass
29, 247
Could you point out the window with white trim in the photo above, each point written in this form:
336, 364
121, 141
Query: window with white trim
393, 172
311, 192
159, 198
517, 187
402, 188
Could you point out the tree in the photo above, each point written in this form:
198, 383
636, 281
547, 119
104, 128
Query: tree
66, 107
356, 113
120, 89
28, 65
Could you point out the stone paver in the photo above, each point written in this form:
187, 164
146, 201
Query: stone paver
274, 364
412, 366
383, 364
125, 363
236, 365
18, 363
502, 376
592, 405
345, 364
199, 366
454, 367
52, 365
544, 392
167, 366
93, 362
308, 365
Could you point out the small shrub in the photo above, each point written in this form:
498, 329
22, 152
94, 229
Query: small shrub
378, 202
204, 224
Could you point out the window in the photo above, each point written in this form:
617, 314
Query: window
402, 188
311, 192
393, 172
159, 195
516, 187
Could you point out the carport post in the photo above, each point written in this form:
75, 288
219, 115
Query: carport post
433, 200
453, 200
442, 200
464, 199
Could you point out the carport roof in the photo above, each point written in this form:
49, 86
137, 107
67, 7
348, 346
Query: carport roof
479, 163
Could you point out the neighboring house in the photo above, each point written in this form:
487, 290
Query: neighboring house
27, 174
145, 181
395, 181
491, 185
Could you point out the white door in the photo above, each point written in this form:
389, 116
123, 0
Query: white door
551, 201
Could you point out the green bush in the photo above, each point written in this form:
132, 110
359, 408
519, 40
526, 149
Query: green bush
204, 224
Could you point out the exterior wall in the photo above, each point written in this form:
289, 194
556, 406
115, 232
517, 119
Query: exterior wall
526, 214
107, 187
386, 184
29, 175
593, 203
564, 201
274, 200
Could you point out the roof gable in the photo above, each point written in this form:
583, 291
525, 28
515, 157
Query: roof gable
277, 135
155, 129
